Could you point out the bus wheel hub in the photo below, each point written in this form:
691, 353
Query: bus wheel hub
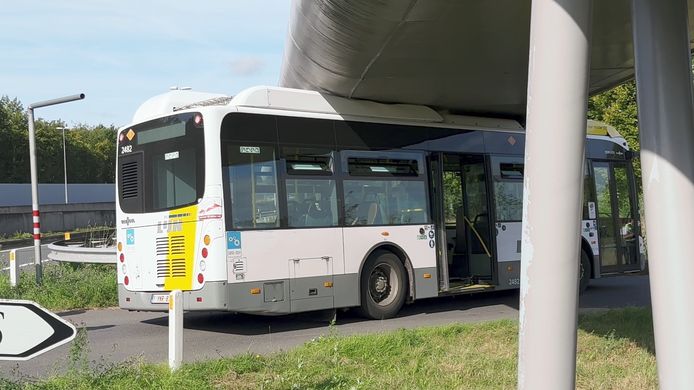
379, 284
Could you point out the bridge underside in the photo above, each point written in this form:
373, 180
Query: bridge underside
464, 56
471, 56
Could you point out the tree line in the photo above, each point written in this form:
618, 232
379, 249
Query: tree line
90, 150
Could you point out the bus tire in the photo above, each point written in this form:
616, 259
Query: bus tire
584, 272
383, 285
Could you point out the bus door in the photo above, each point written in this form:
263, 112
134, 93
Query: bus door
617, 224
464, 218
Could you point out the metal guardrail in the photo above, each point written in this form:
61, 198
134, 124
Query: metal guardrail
75, 252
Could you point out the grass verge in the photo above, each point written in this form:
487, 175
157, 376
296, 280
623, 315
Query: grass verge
614, 352
98, 231
66, 286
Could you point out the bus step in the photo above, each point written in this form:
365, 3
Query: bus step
461, 289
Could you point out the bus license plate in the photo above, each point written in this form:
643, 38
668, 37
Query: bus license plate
160, 298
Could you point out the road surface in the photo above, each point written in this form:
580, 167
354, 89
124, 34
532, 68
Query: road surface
116, 335
25, 257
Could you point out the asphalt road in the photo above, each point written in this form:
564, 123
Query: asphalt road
25, 257
116, 335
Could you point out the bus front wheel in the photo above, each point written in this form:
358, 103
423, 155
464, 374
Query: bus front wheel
584, 272
383, 285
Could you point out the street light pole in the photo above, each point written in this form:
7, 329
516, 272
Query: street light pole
34, 196
64, 161
34, 176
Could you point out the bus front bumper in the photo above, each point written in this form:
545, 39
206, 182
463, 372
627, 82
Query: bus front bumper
212, 296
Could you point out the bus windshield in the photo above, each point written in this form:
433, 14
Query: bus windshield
161, 164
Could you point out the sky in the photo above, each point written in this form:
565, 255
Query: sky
121, 53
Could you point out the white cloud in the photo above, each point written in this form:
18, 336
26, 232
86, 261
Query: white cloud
247, 66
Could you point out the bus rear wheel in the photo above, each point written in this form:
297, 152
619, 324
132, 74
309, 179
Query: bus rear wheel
383, 285
584, 272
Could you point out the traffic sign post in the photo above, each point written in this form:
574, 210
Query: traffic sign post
28, 330
175, 329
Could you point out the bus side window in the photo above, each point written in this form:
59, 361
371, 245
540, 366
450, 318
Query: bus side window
391, 189
311, 193
311, 203
508, 188
252, 177
385, 202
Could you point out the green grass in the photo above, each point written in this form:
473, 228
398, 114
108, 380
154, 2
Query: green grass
15, 236
104, 230
66, 286
614, 352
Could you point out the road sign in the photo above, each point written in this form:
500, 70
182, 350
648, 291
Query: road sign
28, 330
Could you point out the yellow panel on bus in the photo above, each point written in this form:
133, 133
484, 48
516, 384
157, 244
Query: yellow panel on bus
181, 253
601, 128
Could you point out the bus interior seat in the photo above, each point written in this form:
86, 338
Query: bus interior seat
296, 213
368, 211
319, 214
374, 214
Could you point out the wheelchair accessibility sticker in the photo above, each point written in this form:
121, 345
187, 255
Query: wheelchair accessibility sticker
130, 237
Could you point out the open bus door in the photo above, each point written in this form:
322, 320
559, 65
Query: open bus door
462, 213
617, 217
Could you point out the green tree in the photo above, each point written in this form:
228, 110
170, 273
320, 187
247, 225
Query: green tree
617, 107
14, 144
90, 150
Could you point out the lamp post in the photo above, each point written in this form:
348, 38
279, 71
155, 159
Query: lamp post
64, 160
34, 176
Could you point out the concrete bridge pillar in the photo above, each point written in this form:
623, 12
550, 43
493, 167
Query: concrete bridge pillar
558, 78
666, 125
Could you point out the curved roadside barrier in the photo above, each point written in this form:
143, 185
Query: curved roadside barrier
76, 252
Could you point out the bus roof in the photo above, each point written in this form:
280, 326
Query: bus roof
303, 101
167, 103
597, 129
312, 102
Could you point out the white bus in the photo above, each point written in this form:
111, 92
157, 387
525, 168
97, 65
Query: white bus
281, 201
